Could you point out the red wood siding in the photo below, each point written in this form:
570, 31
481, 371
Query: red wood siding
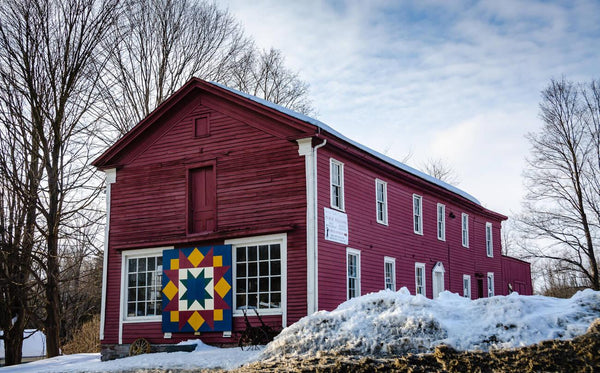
152, 331
397, 239
517, 273
242, 162
259, 185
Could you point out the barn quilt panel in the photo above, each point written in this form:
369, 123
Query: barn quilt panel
196, 289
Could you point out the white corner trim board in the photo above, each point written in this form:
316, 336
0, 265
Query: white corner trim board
111, 177
306, 149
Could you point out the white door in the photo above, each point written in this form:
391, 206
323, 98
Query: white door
438, 279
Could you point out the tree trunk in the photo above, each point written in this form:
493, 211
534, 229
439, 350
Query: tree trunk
53, 221
52, 323
13, 346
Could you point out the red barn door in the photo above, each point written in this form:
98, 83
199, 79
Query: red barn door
203, 200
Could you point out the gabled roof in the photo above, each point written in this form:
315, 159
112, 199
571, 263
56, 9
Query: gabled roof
271, 109
362, 147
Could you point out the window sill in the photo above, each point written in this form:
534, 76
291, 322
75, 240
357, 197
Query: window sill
142, 319
265, 312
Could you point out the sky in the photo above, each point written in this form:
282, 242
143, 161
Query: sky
457, 80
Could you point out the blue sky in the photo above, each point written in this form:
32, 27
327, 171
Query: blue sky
452, 80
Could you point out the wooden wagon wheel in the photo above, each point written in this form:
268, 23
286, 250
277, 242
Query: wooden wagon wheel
139, 346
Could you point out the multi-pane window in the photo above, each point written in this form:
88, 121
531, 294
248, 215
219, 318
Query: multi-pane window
258, 276
337, 184
489, 247
465, 230
390, 273
467, 286
420, 278
353, 272
490, 284
441, 222
381, 196
418, 214
144, 276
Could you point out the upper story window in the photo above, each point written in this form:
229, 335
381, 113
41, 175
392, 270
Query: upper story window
381, 196
418, 214
465, 230
389, 265
202, 126
202, 200
337, 184
489, 245
490, 284
441, 222
467, 286
420, 279
353, 272
142, 283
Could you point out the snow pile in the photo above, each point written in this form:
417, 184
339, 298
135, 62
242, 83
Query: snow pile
379, 324
387, 323
203, 357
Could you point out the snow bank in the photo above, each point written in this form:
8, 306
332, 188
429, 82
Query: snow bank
203, 357
381, 323
387, 322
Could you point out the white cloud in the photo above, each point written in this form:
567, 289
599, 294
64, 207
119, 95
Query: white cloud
453, 78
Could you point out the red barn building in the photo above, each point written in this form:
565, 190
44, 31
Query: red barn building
220, 201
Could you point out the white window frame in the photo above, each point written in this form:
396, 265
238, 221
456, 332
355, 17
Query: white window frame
392, 278
465, 229
489, 243
418, 214
280, 239
355, 253
340, 185
423, 288
381, 205
490, 284
467, 286
441, 222
136, 254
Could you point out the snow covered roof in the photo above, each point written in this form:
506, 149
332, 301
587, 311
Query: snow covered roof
325, 127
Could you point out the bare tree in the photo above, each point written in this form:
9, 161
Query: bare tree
559, 281
51, 60
161, 44
18, 192
441, 170
263, 74
560, 217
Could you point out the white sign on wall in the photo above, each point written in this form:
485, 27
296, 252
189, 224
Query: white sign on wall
336, 226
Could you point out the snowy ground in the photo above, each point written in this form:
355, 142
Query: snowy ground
383, 323
203, 357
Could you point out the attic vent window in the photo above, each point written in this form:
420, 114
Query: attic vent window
201, 126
